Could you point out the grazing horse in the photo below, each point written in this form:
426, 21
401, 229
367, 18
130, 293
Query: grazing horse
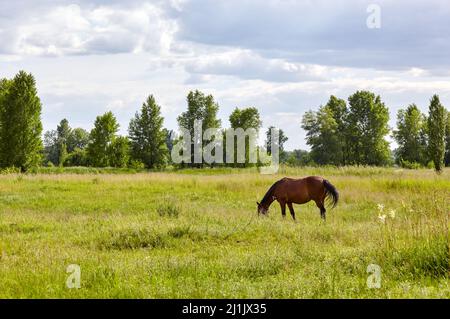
299, 191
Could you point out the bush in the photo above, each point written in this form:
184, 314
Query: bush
77, 158
133, 239
168, 209
410, 165
136, 164
430, 165
119, 151
10, 170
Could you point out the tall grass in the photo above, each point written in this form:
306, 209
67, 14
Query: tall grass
195, 234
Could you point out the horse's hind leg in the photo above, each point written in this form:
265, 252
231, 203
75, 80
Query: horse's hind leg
291, 209
321, 206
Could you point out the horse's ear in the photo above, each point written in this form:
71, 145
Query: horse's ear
258, 203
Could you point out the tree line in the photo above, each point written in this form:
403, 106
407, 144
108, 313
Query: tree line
338, 133
355, 133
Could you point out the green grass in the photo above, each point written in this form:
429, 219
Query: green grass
195, 234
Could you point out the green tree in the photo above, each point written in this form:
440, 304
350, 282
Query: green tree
63, 132
447, 141
339, 112
78, 157
119, 152
78, 138
200, 107
322, 136
4, 88
147, 135
62, 155
51, 154
20, 123
326, 132
299, 158
409, 136
436, 132
282, 138
101, 136
367, 126
59, 144
246, 118
170, 136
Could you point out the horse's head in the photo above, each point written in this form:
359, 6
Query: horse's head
261, 209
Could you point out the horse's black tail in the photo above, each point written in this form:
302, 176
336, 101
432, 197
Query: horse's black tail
331, 192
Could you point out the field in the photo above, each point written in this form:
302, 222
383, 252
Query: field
195, 234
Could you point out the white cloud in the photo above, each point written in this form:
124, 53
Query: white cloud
249, 65
76, 30
417, 72
177, 4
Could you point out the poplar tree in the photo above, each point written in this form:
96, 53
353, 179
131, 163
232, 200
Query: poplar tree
20, 123
436, 132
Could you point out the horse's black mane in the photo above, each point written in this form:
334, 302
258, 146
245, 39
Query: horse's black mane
270, 191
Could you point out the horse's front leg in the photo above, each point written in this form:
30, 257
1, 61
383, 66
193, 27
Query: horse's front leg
283, 208
291, 209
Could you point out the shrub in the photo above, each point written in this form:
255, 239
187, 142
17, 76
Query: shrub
10, 170
136, 164
410, 165
77, 158
133, 239
179, 231
168, 209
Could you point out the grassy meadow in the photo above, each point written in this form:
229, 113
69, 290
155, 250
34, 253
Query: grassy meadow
195, 234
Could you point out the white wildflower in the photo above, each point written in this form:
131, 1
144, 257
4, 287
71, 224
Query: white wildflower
380, 207
382, 218
392, 213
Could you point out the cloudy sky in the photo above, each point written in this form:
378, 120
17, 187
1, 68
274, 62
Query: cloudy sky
284, 57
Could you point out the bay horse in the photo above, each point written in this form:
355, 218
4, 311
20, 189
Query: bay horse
299, 191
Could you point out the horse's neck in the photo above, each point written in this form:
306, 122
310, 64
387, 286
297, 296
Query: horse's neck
268, 201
